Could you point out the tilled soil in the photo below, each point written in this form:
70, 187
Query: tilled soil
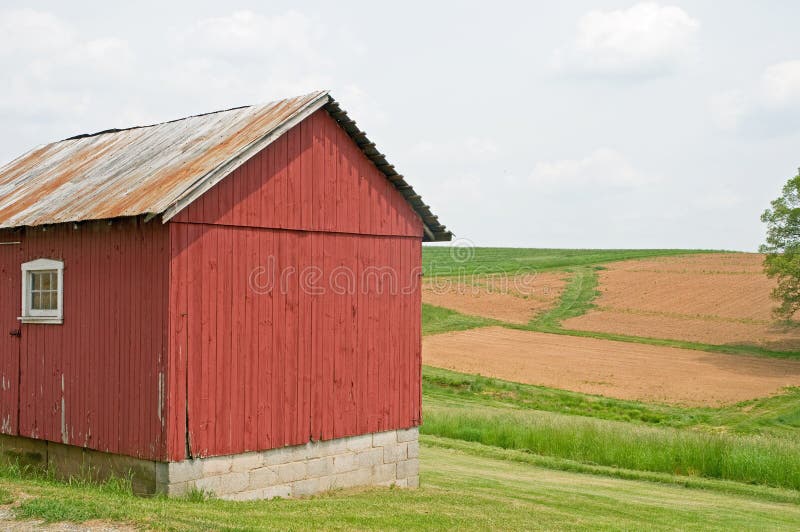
624, 370
715, 299
516, 299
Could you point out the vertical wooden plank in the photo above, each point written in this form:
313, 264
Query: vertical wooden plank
307, 174
235, 355
178, 318
290, 248
196, 343
278, 385
293, 180
317, 339
224, 338
251, 383
265, 341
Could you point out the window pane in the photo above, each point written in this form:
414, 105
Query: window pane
54, 280
34, 281
36, 301
45, 280
45, 300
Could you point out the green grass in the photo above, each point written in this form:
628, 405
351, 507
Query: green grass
749, 459
777, 416
437, 320
561, 464
577, 299
5, 496
446, 261
463, 486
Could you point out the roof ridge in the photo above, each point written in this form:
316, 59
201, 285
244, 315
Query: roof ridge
132, 128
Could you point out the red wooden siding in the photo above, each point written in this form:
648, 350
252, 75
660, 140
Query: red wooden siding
302, 362
95, 380
10, 287
165, 335
314, 178
317, 357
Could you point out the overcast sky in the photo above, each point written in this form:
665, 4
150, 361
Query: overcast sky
538, 124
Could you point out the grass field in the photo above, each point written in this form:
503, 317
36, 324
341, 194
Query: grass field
598, 463
753, 444
443, 261
615, 433
463, 486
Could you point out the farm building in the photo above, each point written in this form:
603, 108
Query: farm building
228, 302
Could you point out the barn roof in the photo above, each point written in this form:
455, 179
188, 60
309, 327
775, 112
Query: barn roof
160, 169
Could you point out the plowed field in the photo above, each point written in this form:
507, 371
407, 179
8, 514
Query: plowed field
624, 370
515, 299
715, 299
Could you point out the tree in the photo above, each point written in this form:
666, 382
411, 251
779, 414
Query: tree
783, 248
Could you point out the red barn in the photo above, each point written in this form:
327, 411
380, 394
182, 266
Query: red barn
227, 302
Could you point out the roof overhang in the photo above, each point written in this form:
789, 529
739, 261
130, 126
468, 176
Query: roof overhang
434, 231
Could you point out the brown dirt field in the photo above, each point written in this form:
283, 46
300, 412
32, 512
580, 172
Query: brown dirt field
624, 370
715, 299
515, 300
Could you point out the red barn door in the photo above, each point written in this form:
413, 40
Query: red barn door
10, 308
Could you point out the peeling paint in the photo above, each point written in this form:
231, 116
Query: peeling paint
6, 428
64, 431
161, 398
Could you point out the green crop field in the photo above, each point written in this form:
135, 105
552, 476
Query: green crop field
444, 261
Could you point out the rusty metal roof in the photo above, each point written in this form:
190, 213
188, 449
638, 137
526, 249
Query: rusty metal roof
160, 169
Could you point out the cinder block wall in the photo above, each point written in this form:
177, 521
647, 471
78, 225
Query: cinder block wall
379, 459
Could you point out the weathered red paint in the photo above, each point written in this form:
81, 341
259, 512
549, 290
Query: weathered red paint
110, 350
165, 338
264, 370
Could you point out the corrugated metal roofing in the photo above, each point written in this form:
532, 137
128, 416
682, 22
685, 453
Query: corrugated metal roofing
160, 169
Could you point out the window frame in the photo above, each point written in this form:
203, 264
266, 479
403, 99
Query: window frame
49, 316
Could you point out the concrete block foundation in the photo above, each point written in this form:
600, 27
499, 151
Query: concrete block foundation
380, 459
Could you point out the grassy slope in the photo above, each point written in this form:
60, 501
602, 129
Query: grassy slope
445, 261
777, 416
464, 487
754, 442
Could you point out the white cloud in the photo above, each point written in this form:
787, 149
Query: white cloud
52, 71
643, 41
72, 81
30, 31
770, 106
246, 34
603, 168
780, 84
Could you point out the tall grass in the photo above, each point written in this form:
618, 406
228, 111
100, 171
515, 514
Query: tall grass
750, 459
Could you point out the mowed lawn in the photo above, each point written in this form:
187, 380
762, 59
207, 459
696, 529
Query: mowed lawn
459, 490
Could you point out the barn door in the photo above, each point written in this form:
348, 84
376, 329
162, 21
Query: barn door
10, 336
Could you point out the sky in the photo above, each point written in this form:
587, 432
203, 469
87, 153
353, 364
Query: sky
534, 124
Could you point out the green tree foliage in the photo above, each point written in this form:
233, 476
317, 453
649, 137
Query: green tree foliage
783, 248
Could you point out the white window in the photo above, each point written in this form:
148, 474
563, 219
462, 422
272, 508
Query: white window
43, 291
